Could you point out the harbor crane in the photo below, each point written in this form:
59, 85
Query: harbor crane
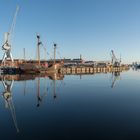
114, 61
7, 95
7, 40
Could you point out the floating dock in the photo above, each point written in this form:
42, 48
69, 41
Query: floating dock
92, 70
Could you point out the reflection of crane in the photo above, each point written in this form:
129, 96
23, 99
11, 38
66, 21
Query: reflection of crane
115, 77
115, 62
7, 95
7, 40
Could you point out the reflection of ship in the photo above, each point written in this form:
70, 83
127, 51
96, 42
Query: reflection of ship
39, 96
54, 79
115, 77
18, 77
56, 76
54, 89
8, 80
24, 77
7, 95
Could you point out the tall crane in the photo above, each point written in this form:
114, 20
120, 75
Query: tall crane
7, 40
115, 62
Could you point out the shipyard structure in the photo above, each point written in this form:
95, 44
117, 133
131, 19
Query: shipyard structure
9, 65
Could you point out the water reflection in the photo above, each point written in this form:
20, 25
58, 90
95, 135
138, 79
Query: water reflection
7, 96
45, 84
55, 77
115, 77
8, 82
40, 96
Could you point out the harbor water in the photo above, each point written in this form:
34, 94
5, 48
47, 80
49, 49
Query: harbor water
96, 106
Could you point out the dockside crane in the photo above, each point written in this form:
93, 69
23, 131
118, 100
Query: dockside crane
114, 61
7, 40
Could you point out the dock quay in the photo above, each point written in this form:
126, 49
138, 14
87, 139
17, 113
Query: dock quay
72, 69
10, 70
91, 70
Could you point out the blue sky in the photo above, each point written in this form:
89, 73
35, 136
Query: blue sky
88, 27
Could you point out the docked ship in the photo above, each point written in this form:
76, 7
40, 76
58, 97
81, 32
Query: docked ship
42, 68
38, 67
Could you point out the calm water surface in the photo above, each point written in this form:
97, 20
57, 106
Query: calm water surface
99, 106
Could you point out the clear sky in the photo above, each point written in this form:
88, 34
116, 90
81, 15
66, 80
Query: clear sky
88, 27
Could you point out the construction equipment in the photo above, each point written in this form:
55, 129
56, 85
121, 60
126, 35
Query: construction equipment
7, 40
114, 61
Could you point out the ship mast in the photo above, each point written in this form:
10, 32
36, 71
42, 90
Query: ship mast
38, 48
54, 52
24, 54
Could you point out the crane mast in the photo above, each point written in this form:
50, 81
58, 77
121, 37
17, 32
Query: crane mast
115, 62
7, 40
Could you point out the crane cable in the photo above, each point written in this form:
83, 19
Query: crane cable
13, 25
